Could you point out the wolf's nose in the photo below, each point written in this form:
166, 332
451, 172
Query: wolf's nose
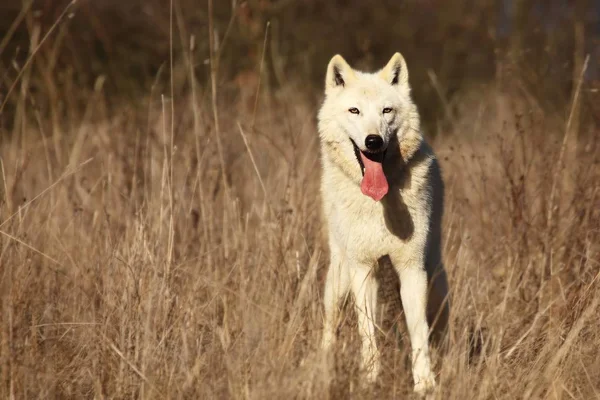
374, 142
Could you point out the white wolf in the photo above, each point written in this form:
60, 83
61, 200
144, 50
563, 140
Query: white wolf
382, 195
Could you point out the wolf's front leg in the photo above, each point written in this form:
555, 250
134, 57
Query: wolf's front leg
337, 284
413, 291
364, 287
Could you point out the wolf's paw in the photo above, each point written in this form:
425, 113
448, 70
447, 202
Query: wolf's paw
425, 386
327, 341
372, 372
371, 363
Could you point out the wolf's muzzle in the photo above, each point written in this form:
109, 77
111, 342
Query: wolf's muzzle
373, 156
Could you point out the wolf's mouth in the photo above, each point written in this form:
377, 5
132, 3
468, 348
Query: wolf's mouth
375, 157
374, 183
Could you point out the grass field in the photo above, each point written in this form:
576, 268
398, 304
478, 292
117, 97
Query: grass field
171, 247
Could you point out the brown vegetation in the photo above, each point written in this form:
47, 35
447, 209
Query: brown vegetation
160, 235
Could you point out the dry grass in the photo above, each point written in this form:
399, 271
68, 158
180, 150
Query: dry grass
134, 266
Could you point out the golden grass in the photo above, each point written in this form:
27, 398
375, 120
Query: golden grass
129, 271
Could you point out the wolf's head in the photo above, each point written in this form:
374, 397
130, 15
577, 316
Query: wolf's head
365, 113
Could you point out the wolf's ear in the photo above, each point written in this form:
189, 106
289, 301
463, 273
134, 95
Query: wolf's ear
339, 73
395, 72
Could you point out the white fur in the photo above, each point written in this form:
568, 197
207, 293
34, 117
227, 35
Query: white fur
405, 224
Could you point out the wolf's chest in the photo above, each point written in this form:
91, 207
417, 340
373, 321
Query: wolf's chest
359, 225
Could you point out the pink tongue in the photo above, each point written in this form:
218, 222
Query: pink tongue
374, 183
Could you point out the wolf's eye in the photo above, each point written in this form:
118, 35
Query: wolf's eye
387, 110
354, 110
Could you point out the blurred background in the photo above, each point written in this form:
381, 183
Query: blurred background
451, 46
160, 230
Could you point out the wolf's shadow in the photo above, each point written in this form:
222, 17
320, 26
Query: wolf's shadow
400, 222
